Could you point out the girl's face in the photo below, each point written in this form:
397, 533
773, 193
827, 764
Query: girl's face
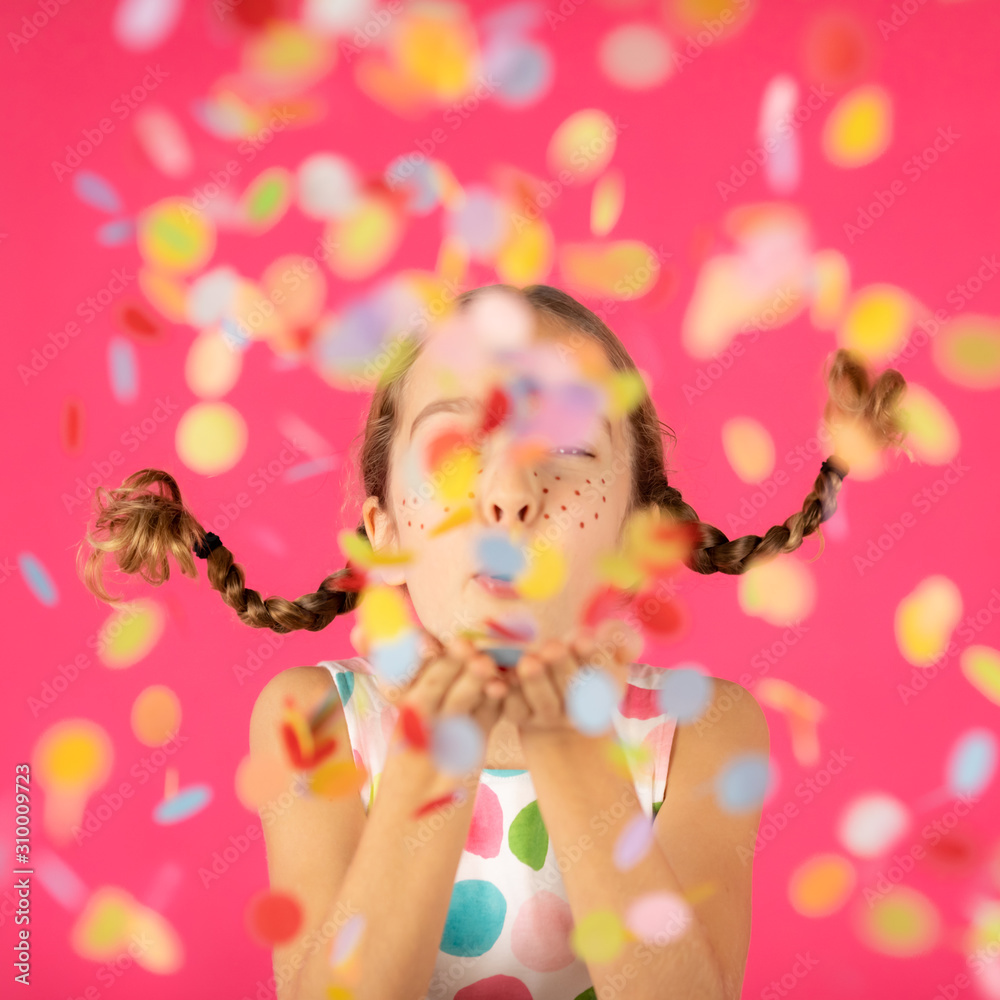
574, 496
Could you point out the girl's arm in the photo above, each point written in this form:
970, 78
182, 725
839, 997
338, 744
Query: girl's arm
395, 870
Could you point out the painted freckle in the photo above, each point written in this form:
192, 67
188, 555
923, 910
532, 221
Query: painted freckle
545, 489
409, 524
577, 492
581, 524
595, 515
421, 527
564, 506
604, 499
546, 515
602, 482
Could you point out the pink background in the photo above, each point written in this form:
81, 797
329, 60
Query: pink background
683, 136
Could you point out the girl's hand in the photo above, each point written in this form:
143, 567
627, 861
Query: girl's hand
537, 703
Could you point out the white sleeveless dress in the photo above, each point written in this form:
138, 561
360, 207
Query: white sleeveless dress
507, 933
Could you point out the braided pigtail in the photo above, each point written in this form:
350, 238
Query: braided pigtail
855, 401
144, 522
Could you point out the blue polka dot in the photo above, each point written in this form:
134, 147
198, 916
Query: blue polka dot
475, 918
345, 685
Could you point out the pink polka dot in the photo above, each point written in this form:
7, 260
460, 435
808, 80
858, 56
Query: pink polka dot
495, 988
359, 760
639, 703
486, 828
539, 938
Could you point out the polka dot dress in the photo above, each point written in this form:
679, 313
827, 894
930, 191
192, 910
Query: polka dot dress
506, 936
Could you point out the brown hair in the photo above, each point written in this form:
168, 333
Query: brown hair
145, 526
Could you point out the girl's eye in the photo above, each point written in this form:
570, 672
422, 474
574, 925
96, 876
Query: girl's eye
579, 451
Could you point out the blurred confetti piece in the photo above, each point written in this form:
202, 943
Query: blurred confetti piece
527, 255
362, 241
115, 233
162, 139
71, 759
778, 140
71, 426
598, 937
59, 880
335, 779
285, 56
871, 824
164, 951
261, 779
522, 68
175, 236
801, 711
182, 804
266, 200
123, 370
37, 579
457, 796
382, 613
831, 284
931, 432
545, 575
584, 144
635, 56
210, 296
462, 515
741, 783
457, 745
166, 294
141, 25
877, 322
981, 668
394, 660
136, 320
925, 619
156, 715
837, 49
903, 923
859, 128
967, 351
658, 917
633, 843
111, 924
971, 763
749, 448
412, 726
347, 939
95, 191
327, 186
591, 697
626, 269
273, 917
299, 736
821, 885
130, 632
781, 590
685, 693
211, 438
212, 367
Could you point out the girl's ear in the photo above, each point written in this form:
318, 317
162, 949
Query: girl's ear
382, 539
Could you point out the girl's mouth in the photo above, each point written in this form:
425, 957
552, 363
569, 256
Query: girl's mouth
496, 587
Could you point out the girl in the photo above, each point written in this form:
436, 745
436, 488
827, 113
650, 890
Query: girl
544, 866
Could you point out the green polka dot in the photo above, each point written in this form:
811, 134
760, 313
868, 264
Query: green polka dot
528, 838
656, 808
587, 994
